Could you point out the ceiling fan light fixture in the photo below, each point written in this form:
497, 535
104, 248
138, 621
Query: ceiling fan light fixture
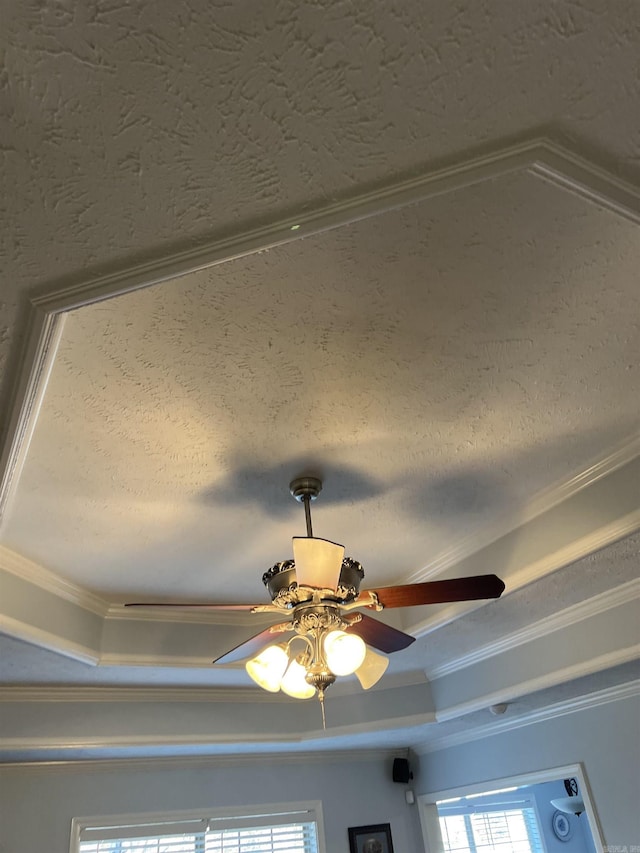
318, 562
294, 682
268, 668
372, 669
316, 592
344, 653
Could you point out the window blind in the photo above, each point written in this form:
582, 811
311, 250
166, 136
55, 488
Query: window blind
290, 838
505, 827
280, 833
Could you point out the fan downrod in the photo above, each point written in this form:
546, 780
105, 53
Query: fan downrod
305, 490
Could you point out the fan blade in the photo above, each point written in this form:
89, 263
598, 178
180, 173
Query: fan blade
318, 562
252, 646
380, 636
187, 606
439, 592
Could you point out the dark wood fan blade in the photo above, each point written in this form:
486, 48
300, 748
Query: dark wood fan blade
187, 606
380, 636
253, 645
439, 592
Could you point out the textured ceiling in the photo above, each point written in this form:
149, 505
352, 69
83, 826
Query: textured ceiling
440, 365
118, 145
411, 357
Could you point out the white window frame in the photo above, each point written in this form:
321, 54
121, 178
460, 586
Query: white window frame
501, 801
429, 815
309, 810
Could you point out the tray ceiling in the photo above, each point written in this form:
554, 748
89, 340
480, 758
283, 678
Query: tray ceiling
411, 358
462, 370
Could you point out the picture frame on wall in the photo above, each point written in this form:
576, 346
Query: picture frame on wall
370, 839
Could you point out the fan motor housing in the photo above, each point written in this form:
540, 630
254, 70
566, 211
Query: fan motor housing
311, 617
281, 582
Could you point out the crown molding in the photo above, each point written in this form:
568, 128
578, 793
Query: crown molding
557, 621
157, 695
47, 640
617, 693
576, 550
547, 499
51, 582
120, 612
209, 739
70, 743
45, 693
558, 709
539, 155
568, 170
213, 760
549, 679
42, 337
135, 659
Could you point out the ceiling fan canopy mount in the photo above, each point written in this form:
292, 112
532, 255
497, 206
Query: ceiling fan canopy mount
303, 488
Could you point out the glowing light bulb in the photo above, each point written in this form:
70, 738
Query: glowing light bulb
268, 668
344, 652
294, 683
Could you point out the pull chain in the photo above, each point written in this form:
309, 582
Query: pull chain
324, 720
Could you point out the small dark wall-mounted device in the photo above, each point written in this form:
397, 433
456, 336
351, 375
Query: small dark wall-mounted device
401, 771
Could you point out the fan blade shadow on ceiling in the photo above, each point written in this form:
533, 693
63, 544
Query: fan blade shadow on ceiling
456, 497
485, 479
266, 488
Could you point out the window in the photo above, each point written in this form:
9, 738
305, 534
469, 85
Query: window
267, 832
505, 825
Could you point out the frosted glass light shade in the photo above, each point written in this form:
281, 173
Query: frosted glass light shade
294, 683
318, 562
569, 805
372, 669
344, 652
268, 668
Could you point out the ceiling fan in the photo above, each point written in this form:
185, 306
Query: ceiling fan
319, 593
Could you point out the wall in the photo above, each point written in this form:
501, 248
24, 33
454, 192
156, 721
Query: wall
581, 841
38, 802
605, 739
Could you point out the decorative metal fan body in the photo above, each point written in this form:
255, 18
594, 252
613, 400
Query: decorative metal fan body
324, 635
